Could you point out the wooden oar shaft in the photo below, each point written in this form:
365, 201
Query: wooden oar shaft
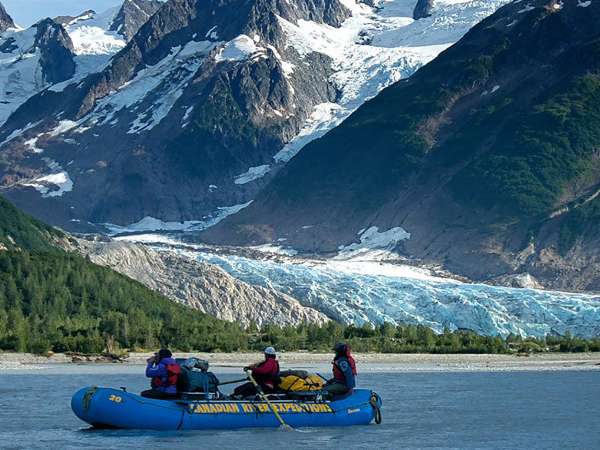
266, 399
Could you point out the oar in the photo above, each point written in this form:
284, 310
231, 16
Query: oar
233, 381
284, 426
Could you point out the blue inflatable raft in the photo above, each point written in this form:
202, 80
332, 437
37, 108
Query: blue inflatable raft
113, 408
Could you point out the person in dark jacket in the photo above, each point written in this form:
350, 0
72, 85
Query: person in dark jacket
164, 372
344, 371
265, 373
195, 377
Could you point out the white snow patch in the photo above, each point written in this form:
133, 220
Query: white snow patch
274, 249
212, 33
18, 132
370, 240
526, 9
239, 49
253, 173
62, 127
187, 114
148, 239
152, 224
584, 4
32, 145
52, 185
324, 117
90, 35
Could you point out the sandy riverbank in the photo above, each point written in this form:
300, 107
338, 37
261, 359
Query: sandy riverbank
371, 361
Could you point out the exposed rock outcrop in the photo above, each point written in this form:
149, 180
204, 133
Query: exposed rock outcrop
199, 285
423, 9
56, 49
6, 21
132, 15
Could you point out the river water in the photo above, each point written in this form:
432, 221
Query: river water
452, 410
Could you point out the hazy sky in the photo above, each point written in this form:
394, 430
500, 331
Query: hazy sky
27, 12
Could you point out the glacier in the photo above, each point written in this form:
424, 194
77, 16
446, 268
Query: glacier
369, 291
362, 290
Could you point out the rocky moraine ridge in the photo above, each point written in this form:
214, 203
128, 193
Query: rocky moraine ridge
201, 286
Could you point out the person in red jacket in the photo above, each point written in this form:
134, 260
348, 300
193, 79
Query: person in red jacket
265, 373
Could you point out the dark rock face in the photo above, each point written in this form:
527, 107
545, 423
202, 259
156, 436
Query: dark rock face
56, 50
6, 21
132, 15
174, 150
487, 156
423, 9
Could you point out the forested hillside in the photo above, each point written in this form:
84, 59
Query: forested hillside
54, 300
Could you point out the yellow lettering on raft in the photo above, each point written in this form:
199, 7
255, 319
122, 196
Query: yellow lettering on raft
215, 408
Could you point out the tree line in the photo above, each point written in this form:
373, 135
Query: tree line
57, 301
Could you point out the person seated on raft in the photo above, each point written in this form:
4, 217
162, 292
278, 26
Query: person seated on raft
344, 371
195, 377
164, 372
265, 373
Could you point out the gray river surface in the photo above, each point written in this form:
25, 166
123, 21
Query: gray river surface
453, 410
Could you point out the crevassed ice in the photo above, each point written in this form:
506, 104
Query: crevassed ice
358, 292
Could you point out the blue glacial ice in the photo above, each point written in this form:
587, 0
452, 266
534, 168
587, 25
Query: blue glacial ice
359, 292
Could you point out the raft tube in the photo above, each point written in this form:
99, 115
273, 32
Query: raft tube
114, 408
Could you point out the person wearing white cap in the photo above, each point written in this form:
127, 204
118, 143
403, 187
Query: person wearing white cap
266, 374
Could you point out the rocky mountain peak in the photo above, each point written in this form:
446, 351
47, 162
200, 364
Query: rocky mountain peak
132, 15
423, 9
6, 21
68, 20
56, 50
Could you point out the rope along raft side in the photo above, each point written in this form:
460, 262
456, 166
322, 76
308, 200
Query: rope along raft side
113, 408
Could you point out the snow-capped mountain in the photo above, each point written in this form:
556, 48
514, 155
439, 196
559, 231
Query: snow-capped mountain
485, 158
65, 48
208, 101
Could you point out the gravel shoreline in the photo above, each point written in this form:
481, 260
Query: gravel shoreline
373, 361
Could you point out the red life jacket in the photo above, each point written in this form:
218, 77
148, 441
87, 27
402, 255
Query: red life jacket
267, 373
337, 373
173, 371
352, 362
